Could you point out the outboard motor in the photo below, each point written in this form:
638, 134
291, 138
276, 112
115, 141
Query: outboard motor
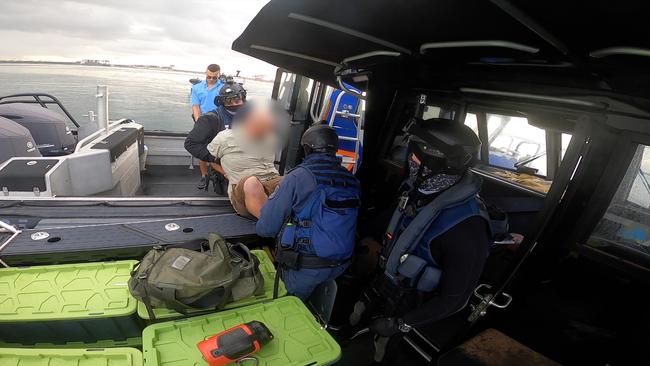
49, 128
15, 141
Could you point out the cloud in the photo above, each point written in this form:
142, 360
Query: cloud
187, 33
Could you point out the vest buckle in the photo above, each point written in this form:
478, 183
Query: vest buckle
403, 201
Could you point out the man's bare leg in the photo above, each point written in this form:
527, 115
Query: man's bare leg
254, 196
218, 168
203, 167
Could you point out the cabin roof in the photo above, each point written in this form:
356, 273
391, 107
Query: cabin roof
598, 45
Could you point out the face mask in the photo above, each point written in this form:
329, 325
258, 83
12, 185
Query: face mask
232, 109
433, 183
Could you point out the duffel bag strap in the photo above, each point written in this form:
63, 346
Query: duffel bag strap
142, 280
217, 243
168, 297
251, 267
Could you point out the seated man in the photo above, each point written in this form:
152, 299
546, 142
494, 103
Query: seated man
438, 239
315, 210
231, 97
246, 155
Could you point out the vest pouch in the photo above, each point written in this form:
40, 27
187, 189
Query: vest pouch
289, 259
429, 280
411, 267
334, 221
288, 235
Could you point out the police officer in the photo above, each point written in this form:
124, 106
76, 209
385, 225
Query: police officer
313, 213
203, 99
438, 238
232, 96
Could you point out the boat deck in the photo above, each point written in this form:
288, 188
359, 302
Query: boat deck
173, 181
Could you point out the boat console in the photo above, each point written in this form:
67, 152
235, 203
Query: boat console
106, 163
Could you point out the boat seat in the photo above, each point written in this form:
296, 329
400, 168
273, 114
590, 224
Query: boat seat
322, 300
491, 347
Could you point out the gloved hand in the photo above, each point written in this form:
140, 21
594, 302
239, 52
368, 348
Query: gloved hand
387, 327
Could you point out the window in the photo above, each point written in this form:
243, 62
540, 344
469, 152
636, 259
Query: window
516, 145
436, 111
471, 121
430, 111
566, 139
625, 227
286, 81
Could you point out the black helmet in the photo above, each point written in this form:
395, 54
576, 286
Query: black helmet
443, 145
228, 91
320, 138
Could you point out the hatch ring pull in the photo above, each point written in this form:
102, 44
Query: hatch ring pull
487, 299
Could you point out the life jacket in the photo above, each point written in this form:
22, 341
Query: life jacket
407, 255
322, 233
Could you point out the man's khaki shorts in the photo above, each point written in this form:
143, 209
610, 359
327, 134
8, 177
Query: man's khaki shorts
237, 196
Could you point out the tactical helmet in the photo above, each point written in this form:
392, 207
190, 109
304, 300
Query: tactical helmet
320, 138
444, 146
229, 91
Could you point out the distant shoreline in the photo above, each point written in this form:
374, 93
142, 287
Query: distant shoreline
154, 68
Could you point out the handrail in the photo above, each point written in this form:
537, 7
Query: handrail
480, 43
620, 51
370, 54
97, 133
339, 80
546, 98
314, 103
335, 108
39, 101
349, 31
293, 54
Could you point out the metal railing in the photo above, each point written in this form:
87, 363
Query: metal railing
38, 98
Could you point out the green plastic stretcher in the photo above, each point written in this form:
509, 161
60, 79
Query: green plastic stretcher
268, 272
57, 304
70, 357
298, 338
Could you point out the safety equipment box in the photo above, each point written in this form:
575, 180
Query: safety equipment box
70, 357
298, 339
268, 272
88, 303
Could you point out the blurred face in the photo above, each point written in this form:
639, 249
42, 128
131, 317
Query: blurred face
259, 124
212, 77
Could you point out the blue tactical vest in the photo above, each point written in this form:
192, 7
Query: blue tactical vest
226, 118
409, 258
325, 226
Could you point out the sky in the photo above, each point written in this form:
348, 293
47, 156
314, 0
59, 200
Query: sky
189, 34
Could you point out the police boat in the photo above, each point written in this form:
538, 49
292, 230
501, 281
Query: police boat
557, 94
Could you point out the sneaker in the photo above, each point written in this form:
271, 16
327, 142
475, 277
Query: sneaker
202, 182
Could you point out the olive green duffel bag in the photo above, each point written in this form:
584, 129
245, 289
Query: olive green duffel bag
183, 279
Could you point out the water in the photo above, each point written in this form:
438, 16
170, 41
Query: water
159, 100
